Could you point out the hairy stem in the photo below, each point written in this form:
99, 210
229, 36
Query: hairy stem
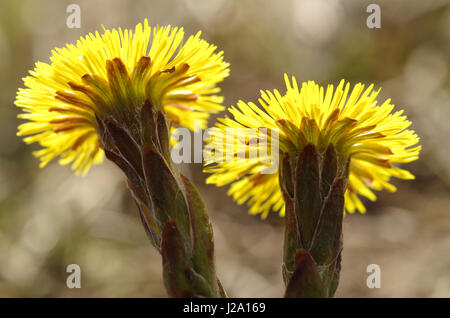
170, 207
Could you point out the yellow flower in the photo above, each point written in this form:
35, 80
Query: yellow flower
373, 137
111, 75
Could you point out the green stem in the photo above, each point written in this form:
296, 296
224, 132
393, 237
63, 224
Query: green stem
313, 186
171, 209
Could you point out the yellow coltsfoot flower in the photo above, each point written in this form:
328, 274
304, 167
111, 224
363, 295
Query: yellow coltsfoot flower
372, 137
329, 146
111, 75
118, 94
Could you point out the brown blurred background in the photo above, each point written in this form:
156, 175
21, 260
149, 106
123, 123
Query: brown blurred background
50, 218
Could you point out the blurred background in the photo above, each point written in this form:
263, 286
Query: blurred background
49, 218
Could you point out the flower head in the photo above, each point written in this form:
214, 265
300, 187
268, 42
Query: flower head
111, 74
369, 136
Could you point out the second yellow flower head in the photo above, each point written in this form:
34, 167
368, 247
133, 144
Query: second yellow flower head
374, 138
